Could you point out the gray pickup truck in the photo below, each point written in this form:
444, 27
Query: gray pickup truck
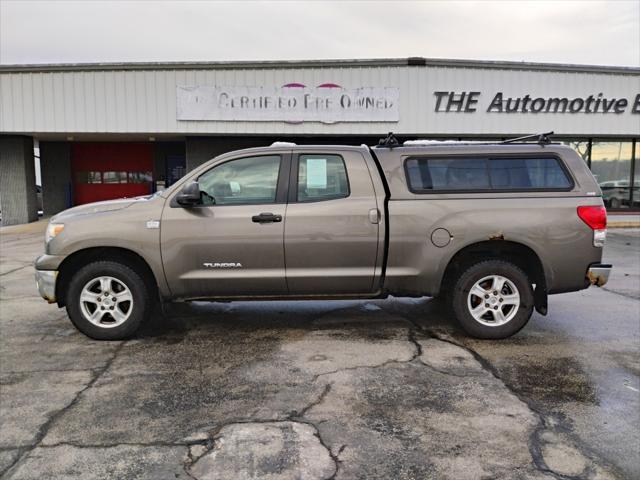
492, 228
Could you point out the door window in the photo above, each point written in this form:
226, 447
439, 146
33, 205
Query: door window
321, 177
245, 181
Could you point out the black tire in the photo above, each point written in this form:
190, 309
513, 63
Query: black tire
140, 305
468, 278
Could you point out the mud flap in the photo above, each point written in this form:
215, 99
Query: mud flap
540, 299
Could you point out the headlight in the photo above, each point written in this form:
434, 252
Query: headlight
53, 230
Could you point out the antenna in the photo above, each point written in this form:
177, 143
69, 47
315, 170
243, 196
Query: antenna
542, 138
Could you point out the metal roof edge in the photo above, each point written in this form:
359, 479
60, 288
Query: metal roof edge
330, 63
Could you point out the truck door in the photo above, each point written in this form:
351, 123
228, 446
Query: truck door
232, 243
331, 226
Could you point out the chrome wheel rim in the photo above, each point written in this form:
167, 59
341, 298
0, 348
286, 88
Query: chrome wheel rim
493, 300
106, 302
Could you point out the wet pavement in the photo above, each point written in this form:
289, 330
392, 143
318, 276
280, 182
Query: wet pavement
316, 390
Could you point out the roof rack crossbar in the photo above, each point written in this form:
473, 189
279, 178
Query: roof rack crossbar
540, 138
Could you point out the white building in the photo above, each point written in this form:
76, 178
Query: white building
109, 130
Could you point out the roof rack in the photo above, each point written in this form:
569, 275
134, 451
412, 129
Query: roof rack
436, 143
541, 138
389, 141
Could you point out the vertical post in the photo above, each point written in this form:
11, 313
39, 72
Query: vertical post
17, 180
632, 180
55, 169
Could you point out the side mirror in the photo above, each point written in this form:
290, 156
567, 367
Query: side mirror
189, 195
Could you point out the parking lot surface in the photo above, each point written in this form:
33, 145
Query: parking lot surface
316, 390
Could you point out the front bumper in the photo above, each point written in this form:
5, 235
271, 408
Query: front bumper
598, 273
46, 282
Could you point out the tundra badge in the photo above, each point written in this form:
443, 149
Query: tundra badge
222, 265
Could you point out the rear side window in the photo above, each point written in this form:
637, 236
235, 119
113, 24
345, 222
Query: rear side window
481, 174
321, 177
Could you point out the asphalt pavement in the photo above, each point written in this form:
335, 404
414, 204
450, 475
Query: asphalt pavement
317, 390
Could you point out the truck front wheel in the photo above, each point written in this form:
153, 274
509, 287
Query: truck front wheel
492, 299
107, 300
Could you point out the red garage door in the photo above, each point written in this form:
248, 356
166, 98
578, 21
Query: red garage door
103, 171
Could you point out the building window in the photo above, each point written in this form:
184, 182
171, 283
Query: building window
140, 177
611, 166
114, 177
88, 177
580, 146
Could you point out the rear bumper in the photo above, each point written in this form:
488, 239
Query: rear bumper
598, 274
46, 282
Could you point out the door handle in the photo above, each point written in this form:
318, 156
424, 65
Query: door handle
266, 218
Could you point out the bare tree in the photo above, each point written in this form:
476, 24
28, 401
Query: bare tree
581, 147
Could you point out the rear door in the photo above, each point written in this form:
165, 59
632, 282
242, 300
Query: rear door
332, 224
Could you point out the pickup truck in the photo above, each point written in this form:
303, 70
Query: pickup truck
491, 228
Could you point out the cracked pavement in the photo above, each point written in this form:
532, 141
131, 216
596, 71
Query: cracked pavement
319, 390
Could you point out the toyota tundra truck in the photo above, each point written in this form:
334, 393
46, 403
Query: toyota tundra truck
492, 228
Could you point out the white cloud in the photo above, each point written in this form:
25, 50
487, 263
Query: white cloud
590, 32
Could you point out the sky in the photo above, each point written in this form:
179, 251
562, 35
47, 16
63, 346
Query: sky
90, 31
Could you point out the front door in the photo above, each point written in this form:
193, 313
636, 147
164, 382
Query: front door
232, 243
331, 229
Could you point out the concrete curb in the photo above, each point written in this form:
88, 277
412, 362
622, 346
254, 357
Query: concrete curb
33, 227
631, 224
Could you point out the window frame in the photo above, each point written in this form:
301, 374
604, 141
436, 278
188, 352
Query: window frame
77, 173
488, 158
281, 182
131, 173
118, 176
293, 178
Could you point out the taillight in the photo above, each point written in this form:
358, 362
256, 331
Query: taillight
595, 216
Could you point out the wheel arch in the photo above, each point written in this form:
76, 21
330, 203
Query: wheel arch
83, 257
515, 252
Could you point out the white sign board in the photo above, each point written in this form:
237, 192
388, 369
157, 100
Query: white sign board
316, 173
295, 104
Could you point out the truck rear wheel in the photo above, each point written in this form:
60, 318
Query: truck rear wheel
492, 299
107, 300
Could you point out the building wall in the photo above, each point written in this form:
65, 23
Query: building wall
202, 149
17, 180
162, 150
143, 100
